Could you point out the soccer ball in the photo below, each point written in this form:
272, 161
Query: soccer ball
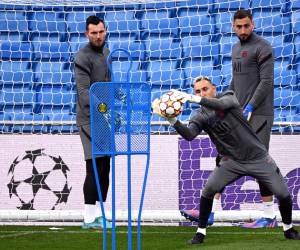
38, 181
170, 106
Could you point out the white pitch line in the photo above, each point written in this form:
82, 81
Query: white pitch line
15, 233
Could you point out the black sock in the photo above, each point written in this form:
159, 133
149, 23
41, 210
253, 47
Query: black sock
205, 210
285, 208
89, 188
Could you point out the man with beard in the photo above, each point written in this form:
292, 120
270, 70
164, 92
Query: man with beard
253, 84
90, 67
243, 154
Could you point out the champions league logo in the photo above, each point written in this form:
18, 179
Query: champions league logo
38, 181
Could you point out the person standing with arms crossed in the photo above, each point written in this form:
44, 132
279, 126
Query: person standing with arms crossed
253, 84
90, 66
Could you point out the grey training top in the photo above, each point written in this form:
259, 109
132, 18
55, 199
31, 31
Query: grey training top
253, 74
222, 119
90, 67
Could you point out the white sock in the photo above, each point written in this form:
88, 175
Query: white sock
201, 230
215, 202
89, 213
287, 226
269, 209
98, 209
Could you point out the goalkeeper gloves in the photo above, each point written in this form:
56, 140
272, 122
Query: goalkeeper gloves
156, 111
185, 97
248, 111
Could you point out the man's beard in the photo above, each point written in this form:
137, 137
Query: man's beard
97, 46
243, 38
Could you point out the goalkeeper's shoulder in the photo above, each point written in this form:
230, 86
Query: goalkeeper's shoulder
228, 99
84, 58
226, 93
84, 50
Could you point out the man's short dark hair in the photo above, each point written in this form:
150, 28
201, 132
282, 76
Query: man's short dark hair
93, 20
240, 14
200, 78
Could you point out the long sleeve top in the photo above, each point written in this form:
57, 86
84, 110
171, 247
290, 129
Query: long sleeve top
90, 67
222, 119
253, 74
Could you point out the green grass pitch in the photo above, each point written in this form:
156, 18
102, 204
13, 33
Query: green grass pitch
164, 238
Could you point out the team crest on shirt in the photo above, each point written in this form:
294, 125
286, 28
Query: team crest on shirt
220, 113
244, 53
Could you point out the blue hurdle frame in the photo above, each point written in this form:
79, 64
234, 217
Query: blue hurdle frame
113, 153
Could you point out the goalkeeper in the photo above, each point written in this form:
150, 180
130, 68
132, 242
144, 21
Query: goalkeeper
221, 117
253, 84
90, 66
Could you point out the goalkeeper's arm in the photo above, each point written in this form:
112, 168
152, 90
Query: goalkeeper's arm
187, 132
226, 101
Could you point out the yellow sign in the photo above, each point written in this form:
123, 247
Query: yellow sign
102, 107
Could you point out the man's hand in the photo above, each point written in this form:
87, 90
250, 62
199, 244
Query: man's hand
156, 109
185, 97
248, 111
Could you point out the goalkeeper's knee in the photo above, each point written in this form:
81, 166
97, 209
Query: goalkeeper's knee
209, 192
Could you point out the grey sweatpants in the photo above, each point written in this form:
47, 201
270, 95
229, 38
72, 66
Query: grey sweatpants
262, 125
85, 136
86, 140
264, 170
